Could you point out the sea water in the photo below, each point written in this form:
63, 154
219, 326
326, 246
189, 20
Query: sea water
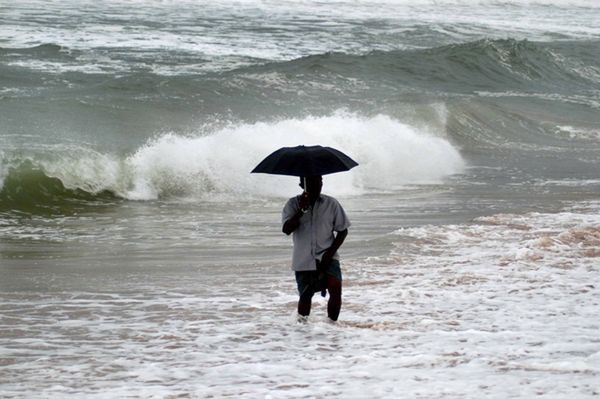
139, 258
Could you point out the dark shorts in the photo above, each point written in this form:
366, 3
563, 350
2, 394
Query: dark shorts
309, 282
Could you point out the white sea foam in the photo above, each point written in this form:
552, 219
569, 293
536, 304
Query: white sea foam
579, 133
291, 23
564, 240
568, 182
61, 67
504, 306
390, 154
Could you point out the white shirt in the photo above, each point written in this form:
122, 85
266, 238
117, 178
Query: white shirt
315, 232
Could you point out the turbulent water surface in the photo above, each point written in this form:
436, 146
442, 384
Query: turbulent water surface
139, 258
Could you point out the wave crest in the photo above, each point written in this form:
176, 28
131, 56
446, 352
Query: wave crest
28, 188
480, 65
390, 154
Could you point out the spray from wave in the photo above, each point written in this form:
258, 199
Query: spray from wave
390, 153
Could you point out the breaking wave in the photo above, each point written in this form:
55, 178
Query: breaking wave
482, 64
390, 153
486, 64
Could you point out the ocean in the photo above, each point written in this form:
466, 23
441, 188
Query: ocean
139, 258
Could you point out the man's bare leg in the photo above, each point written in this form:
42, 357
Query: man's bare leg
304, 307
334, 286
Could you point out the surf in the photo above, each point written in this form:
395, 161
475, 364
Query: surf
217, 165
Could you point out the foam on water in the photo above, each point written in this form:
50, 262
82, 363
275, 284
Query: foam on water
290, 26
504, 306
579, 133
390, 154
564, 240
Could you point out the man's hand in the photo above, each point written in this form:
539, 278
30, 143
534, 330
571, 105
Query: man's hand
329, 252
293, 223
304, 202
326, 259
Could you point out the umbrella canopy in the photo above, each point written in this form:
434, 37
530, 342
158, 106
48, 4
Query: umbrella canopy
305, 161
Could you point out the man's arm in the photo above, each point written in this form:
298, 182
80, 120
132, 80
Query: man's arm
292, 223
337, 243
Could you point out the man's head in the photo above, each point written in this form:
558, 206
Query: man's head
314, 184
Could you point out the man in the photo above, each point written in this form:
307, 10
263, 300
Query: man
319, 226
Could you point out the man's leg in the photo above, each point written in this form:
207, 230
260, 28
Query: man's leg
305, 290
334, 286
304, 307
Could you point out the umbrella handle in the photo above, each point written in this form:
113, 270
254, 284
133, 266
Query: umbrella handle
304, 193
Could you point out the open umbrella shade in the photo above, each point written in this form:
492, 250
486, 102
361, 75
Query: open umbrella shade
305, 161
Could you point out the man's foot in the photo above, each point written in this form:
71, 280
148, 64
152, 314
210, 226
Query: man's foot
301, 319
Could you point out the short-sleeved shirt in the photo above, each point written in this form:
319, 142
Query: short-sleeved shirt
315, 232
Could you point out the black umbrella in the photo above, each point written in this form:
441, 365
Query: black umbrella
305, 161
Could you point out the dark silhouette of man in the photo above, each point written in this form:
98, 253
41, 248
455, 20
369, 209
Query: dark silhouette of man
319, 226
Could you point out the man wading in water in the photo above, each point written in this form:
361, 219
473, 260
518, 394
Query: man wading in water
319, 226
